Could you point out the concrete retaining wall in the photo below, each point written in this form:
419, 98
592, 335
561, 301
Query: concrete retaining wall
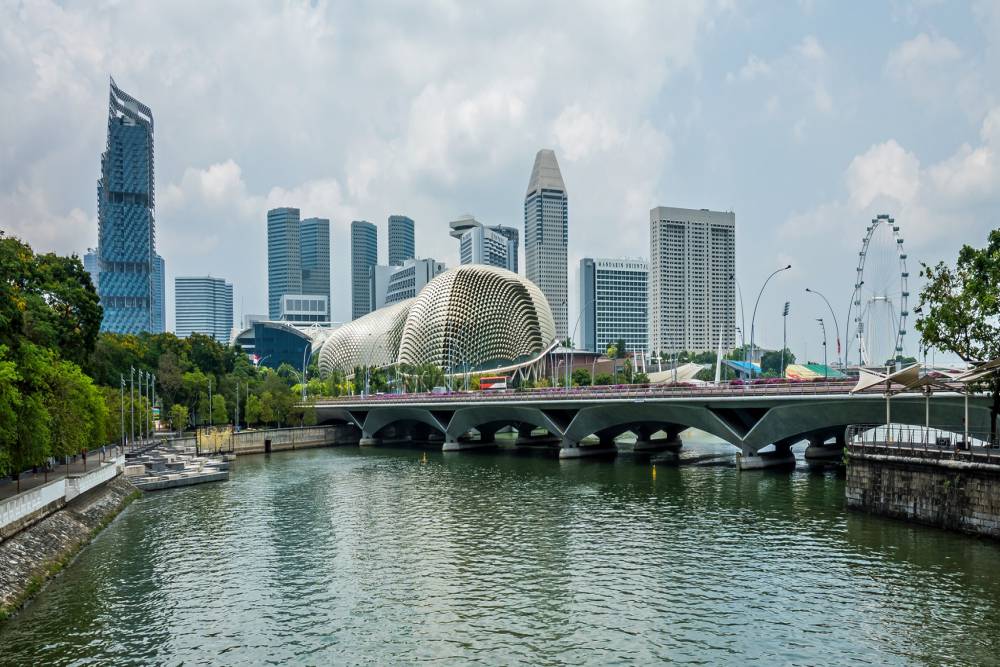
36, 553
956, 495
282, 439
25, 508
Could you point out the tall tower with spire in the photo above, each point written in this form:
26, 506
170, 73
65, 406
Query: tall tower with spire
546, 235
129, 272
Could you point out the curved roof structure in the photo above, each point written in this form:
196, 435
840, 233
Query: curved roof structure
472, 318
371, 340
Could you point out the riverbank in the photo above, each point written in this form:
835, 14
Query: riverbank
37, 553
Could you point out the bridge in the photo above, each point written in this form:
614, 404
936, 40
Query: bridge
763, 421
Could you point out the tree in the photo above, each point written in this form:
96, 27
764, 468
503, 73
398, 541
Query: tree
961, 307
178, 417
770, 362
603, 379
640, 378
266, 410
204, 410
581, 377
253, 409
620, 349
219, 414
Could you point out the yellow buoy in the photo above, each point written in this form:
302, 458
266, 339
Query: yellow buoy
654, 472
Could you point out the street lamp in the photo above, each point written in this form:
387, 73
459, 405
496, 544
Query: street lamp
784, 336
743, 315
826, 369
835, 324
591, 302
753, 318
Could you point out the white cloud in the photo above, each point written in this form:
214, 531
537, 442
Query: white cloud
884, 171
911, 60
754, 68
810, 48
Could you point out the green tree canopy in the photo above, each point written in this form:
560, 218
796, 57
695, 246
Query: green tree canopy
961, 308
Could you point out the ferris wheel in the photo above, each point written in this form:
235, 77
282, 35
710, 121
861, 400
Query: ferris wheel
881, 295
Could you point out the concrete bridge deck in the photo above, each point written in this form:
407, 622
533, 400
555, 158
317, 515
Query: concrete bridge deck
750, 417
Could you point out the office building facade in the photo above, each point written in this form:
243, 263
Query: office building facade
284, 258
364, 255
127, 263
203, 304
692, 293
480, 244
314, 242
406, 281
546, 235
613, 304
401, 241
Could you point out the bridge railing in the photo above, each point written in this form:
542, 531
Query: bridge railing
614, 391
946, 443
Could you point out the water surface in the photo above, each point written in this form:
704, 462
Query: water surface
374, 556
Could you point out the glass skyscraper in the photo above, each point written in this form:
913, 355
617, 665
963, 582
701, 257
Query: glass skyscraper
364, 256
129, 272
203, 304
314, 243
546, 234
401, 246
284, 260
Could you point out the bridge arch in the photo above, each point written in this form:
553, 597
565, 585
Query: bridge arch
492, 418
379, 419
607, 418
791, 422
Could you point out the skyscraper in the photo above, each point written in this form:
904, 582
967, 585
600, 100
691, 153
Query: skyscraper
126, 234
546, 234
512, 235
479, 244
401, 246
203, 304
364, 255
692, 294
90, 265
159, 295
284, 260
613, 303
314, 240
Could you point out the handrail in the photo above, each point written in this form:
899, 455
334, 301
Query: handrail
937, 443
557, 394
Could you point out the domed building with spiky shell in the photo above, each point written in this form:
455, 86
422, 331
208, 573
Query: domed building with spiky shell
470, 319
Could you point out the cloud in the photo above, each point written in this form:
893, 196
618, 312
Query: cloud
754, 68
884, 171
810, 48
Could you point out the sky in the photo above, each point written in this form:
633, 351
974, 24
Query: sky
807, 119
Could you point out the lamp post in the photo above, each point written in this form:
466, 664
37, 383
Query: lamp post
121, 378
131, 404
835, 324
743, 315
826, 368
591, 302
784, 336
753, 318
306, 350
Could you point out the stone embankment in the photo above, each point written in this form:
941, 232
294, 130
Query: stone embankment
36, 553
953, 494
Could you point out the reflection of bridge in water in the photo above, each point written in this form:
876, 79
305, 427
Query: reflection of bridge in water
584, 422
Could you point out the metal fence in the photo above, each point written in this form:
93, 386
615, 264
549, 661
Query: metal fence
953, 443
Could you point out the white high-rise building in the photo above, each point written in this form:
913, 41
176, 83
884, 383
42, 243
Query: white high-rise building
692, 291
392, 284
546, 234
203, 304
481, 244
613, 304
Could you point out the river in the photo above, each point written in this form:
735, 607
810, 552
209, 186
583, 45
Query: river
400, 556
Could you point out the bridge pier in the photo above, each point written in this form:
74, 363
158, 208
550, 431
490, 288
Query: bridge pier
466, 445
574, 450
779, 458
368, 441
819, 451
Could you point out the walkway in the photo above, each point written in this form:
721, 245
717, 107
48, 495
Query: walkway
29, 480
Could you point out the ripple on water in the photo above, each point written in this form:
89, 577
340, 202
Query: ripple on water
345, 556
